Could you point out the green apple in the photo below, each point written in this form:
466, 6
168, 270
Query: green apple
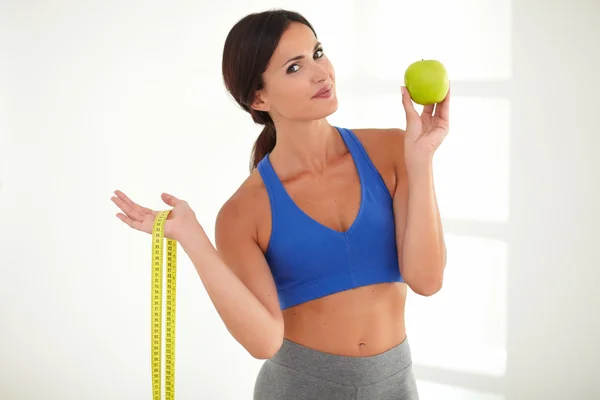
426, 81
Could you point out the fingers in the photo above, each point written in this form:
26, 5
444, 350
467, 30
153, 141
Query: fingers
170, 199
133, 224
130, 211
409, 108
130, 203
442, 110
133, 214
428, 110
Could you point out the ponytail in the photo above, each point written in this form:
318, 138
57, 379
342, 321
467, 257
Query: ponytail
264, 144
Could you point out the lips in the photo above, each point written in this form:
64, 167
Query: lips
323, 92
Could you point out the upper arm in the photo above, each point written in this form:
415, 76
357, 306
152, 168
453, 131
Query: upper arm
400, 201
236, 243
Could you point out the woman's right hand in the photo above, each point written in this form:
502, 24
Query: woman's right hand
142, 218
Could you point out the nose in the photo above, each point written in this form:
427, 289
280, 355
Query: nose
320, 74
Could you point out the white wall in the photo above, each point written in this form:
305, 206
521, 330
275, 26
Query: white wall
129, 96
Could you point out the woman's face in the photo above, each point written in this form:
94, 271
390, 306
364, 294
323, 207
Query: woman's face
296, 77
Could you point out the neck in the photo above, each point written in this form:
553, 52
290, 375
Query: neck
306, 146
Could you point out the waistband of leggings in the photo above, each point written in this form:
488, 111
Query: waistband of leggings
347, 370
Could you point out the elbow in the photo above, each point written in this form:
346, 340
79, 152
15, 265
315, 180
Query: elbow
266, 352
268, 348
426, 286
426, 290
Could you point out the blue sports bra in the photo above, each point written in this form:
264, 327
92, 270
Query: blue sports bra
309, 260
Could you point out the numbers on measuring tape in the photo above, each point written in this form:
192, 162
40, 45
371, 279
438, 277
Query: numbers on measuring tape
156, 309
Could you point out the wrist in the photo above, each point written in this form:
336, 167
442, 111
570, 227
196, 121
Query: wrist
419, 168
192, 234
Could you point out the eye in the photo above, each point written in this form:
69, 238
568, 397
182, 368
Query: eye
293, 68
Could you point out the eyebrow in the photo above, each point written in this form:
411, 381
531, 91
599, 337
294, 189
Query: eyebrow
301, 57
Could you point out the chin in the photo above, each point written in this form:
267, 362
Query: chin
326, 109
315, 112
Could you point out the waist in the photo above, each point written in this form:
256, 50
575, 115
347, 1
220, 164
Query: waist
360, 322
358, 371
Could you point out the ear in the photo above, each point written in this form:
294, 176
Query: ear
260, 102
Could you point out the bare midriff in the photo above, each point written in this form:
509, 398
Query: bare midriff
359, 322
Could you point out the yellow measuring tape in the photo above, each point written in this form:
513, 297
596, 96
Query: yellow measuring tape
158, 234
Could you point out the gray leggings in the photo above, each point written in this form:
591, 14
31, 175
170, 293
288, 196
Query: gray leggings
297, 372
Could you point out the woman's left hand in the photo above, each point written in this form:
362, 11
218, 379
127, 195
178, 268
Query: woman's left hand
425, 132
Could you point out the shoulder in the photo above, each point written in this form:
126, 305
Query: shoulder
380, 138
239, 213
383, 145
385, 150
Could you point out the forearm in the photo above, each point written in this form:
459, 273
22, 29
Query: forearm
245, 317
423, 248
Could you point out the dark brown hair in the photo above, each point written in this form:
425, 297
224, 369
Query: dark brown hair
246, 54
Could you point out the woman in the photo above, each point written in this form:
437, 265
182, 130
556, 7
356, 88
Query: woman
316, 248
